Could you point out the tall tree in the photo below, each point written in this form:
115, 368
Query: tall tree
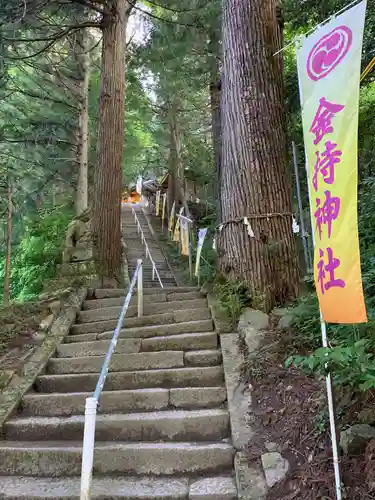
254, 178
67, 18
108, 175
83, 59
215, 94
8, 257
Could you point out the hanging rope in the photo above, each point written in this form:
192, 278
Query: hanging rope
245, 218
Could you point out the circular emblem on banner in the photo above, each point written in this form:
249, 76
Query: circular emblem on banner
328, 52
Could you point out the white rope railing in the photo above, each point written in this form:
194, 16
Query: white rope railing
148, 253
92, 403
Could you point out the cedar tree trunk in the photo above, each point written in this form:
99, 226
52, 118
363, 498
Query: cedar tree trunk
254, 178
83, 59
8, 257
108, 174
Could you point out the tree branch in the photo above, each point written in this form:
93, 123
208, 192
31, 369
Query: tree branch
177, 10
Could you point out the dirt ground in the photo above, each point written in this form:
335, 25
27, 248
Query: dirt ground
291, 417
18, 325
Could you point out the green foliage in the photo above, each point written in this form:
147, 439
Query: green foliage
352, 365
233, 297
39, 252
352, 354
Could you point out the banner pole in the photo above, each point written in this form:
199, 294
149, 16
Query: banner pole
308, 263
331, 412
190, 260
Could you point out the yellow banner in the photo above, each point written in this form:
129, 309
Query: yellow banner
184, 236
157, 207
329, 64
176, 234
172, 217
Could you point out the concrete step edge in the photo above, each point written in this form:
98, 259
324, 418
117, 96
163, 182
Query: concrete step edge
151, 320
63, 459
158, 488
160, 298
143, 379
140, 361
118, 292
167, 425
180, 342
125, 401
147, 331
149, 309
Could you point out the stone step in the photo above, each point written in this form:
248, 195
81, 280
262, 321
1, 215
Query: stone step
184, 342
161, 265
148, 299
165, 378
130, 224
119, 362
209, 357
60, 459
151, 283
165, 277
104, 293
140, 253
137, 323
55, 405
164, 272
98, 348
137, 361
146, 331
168, 425
161, 268
118, 488
137, 248
114, 312
103, 326
166, 281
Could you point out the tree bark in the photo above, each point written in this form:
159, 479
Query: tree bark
254, 178
215, 90
108, 174
8, 258
176, 191
172, 194
83, 59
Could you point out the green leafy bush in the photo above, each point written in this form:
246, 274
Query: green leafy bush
39, 252
233, 297
352, 365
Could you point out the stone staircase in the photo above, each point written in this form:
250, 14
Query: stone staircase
136, 248
162, 430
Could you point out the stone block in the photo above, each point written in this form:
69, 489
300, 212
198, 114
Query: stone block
251, 483
275, 467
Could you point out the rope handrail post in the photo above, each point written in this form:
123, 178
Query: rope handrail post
147, 250
140, 291
88, 447
92, 403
